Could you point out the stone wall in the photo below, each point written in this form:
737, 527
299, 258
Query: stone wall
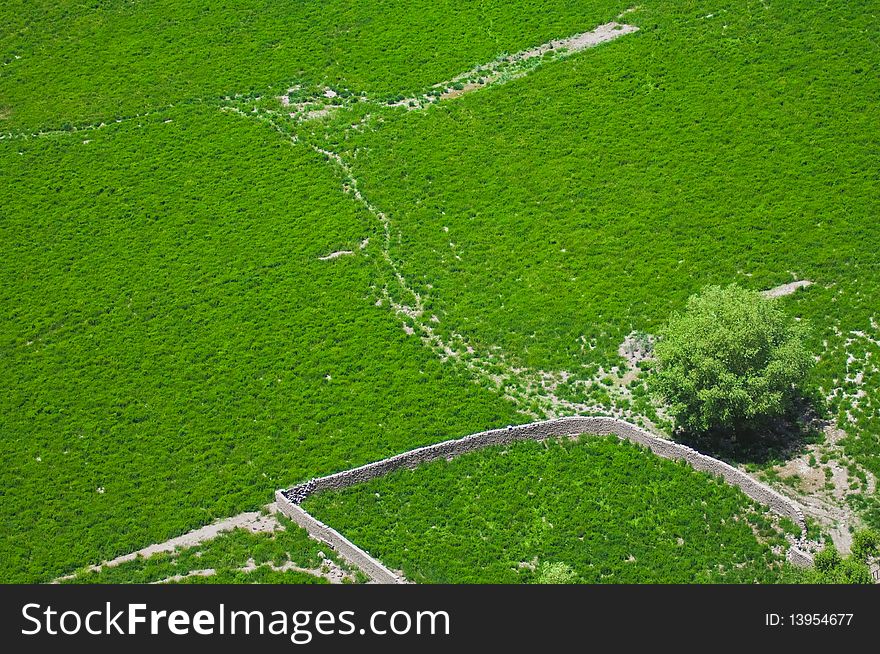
377, 572
559, 427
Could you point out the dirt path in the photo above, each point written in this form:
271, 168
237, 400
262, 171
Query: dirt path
253, 521
535, 393
77, 129
328, 570
335, 255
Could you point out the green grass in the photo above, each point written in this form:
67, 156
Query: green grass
80, 63
593, 196
172, 350
225, 555
551, 216
611, 511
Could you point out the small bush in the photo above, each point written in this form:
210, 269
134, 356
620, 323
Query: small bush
555, 573
865, 544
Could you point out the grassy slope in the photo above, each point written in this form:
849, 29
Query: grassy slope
593, 505
746, 142
696, 151
80, 63
171, 338
593, 196
171, 332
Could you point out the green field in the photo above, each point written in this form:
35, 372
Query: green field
594, 196
151, 53
612, 512
172, 348
547, 218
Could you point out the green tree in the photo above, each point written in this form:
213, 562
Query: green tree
732, 359
865, 544
832, 568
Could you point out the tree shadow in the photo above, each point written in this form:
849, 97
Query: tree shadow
773, 441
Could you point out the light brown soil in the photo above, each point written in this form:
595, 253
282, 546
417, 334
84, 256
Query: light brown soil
328, 570
786, 289
825, 504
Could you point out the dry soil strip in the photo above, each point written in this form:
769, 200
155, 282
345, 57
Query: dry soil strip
253, 521
335, 255
78, 129
786, 289
328, 570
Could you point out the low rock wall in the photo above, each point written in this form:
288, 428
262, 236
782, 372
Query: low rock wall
559, 427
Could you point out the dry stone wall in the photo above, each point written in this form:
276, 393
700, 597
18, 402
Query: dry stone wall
377, 572
289, 499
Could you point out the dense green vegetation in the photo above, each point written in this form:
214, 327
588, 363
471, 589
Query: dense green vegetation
595, 195
731, 361
611, 511
172, 349
225, 556
832, 568
67, 62
733, 142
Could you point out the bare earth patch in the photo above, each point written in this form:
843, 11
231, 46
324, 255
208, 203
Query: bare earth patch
335, 255
582, 41
786, 289
822, 487
636, 347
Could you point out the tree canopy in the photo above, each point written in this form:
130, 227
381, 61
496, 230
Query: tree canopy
731, 360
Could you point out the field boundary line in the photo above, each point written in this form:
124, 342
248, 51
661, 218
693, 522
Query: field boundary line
289, 500
353, 554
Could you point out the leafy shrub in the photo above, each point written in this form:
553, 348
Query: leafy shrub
865, 544
832, 568
827, 560
731, 359
555, 573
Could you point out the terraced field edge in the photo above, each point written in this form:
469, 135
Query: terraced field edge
289, 500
